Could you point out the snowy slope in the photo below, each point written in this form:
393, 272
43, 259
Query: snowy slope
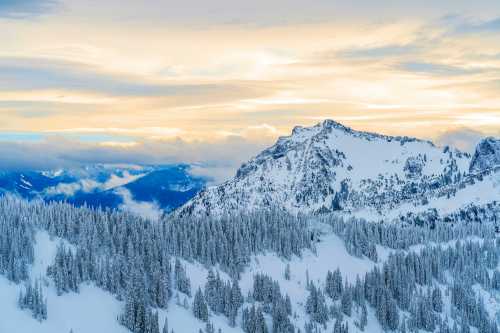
331, 167
92, 310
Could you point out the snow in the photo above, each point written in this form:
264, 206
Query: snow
25, 182
94, 310
303, 171
480, 193
91, 310
45, 252
182, 320
276, 176
330, 255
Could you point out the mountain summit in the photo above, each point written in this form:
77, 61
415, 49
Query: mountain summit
330, 167
487, 155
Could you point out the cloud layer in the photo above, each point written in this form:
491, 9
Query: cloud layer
216, 160
213, 83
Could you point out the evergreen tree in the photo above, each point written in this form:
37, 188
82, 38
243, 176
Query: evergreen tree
316, 305
287, 274
200, 309
437, 300
346, 301
182, 282
33, 298
333, 285
165, 326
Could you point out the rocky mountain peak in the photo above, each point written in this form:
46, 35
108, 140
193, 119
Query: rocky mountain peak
328, 167
486, 156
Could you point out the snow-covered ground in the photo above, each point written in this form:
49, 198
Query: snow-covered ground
330, 255
92, 310
480, 193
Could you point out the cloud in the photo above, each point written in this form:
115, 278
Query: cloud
148, 210
467, 26
66, 189
28, 74
91, 185
260, 13
21, 9
393, 50
122, 93
464, 139
155, 132
217, 159
437, 69
120, 180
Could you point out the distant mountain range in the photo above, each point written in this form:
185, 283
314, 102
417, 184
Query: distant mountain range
107, 186
333, 168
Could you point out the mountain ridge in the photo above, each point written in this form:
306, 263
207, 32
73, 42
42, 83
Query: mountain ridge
102, 185
331, 167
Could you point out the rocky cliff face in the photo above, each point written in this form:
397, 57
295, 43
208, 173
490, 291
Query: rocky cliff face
487, 155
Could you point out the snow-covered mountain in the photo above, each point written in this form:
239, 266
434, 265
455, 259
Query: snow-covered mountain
165, 187
330, 167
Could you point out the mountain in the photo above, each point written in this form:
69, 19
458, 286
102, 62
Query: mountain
487, 155
168, 187
74, 269
330, 167
107, 185
27, 184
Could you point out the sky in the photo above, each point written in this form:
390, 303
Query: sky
213, 82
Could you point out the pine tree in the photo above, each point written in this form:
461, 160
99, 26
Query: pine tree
316, 305
209, 328
181, 279
200, 309
364, 318
346, 301
165, 326
333, 284
287, 272
33, 298
437, 300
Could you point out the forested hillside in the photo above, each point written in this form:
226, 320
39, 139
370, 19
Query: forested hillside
261, 272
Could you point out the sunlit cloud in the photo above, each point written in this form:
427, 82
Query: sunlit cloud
480, 118
230, 72
152, 132
55, 96
119, 144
